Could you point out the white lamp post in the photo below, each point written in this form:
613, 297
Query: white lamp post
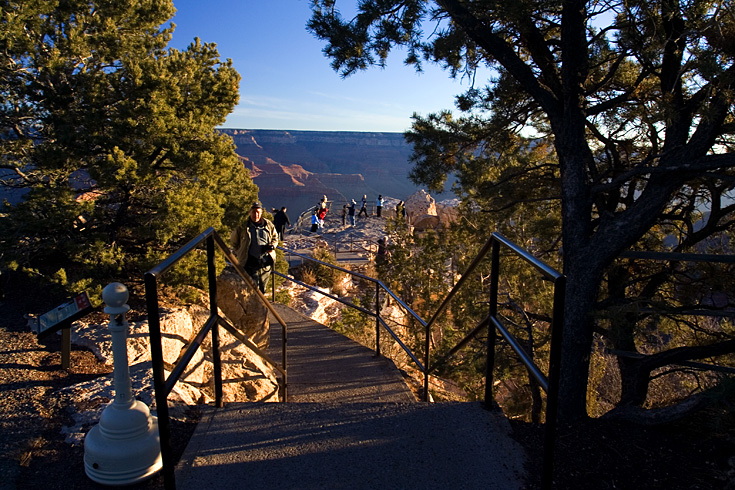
124, 447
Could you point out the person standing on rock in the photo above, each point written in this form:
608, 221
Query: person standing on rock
255, 244
344, 214
379, 205
363, 209
280, 220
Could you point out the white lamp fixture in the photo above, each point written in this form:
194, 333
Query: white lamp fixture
124, 447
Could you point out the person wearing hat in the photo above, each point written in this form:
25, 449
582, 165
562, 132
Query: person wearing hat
255, 244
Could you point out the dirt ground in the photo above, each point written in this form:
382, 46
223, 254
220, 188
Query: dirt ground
694, 454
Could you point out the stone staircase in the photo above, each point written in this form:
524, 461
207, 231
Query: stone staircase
351, 422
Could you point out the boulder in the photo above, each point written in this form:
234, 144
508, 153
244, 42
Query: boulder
418, 204
245, 376
316, 306
426, 222
240, 304
86, 401
176, 331
448, 212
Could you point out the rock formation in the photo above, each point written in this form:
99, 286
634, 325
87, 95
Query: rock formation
424, 213
242, 307
418, 204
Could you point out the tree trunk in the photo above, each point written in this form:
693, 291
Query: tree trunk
581, 292
633, 389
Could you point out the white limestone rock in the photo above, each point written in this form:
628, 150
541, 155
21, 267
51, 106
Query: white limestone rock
419, 204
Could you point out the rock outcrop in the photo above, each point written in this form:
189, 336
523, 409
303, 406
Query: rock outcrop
242, 307
424, 213
419, 204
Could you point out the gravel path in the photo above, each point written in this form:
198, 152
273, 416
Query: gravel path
31, 409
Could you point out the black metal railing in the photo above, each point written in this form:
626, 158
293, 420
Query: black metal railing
548, 383
378, 287
162, 385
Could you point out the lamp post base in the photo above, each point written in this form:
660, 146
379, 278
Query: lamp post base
122, 461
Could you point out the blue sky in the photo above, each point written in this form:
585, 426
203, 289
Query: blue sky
287, 82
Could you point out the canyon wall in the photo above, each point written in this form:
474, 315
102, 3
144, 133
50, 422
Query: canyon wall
295, 168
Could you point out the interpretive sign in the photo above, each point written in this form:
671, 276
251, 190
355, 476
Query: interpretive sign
64, 315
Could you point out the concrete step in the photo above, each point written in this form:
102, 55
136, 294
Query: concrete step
352, 446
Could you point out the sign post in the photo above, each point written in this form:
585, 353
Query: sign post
61, 318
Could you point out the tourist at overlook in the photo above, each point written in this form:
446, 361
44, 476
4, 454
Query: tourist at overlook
254, 243
379, 205
400, 210
323, 205
321, 210
281, 221
344, 214
363, 209
351, 212
314, 222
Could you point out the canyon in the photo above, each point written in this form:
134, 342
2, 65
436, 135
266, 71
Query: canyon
296, 168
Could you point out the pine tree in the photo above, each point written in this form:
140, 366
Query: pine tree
636, 97
112, 137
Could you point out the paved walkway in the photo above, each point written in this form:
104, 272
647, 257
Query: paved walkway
325, 366
351, 423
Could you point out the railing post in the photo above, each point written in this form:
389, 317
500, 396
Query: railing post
159, 381
427, 343
377, 319
552, 395
490, 364
216, 361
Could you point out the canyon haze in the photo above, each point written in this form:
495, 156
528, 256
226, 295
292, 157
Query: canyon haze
296, 168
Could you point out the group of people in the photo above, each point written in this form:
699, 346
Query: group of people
348, 210
254, 242
318, 215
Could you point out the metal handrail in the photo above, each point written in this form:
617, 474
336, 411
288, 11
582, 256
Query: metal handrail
548, 384
162, 385
551, 384
378, 285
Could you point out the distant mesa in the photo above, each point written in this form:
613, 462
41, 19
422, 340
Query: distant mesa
296, 168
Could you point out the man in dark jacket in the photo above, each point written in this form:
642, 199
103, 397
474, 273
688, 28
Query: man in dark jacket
281, 221
255, 244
